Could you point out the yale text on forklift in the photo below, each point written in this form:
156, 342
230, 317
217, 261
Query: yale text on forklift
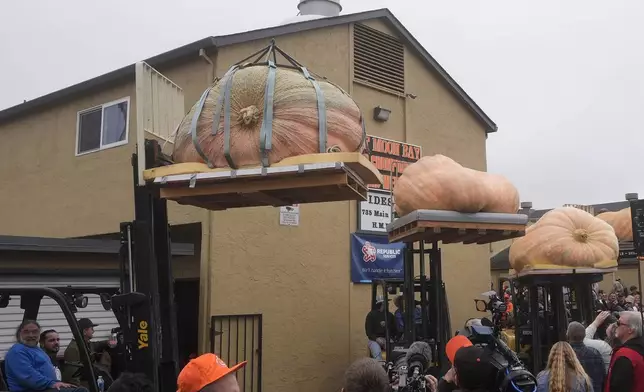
143, 334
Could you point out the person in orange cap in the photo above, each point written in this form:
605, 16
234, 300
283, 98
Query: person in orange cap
208, 373
448, 381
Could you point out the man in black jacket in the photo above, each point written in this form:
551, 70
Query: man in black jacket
376, 321
473, 371
626, 372
591, 360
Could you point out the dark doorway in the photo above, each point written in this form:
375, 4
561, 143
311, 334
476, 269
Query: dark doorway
186, 296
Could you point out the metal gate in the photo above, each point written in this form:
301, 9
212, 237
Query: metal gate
238, 338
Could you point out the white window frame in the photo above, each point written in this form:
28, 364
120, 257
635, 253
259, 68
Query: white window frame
103, 146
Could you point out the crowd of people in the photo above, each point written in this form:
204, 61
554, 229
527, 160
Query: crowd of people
32, 364
606, 356
587, 362
583, 363
620, 299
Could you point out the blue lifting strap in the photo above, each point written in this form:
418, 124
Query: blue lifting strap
193, 126
266, 132
227, 92
321, 109
220, 103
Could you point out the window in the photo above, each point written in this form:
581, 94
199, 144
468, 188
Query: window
103, 126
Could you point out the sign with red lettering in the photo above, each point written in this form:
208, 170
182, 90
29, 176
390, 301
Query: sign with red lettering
391, 158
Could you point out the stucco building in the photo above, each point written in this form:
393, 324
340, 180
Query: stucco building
67, 174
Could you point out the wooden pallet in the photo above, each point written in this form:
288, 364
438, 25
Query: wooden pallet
313, 178
455, 232
557, 270
561, 276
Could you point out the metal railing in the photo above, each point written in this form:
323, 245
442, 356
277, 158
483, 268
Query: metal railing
237, 338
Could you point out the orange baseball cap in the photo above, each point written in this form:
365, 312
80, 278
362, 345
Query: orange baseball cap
204, 370
454, 344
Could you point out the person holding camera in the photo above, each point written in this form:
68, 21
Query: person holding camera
368, 375
472, 369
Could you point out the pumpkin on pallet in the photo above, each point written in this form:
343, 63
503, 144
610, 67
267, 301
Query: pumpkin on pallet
438, 182
621, 221
262, 112
566, 238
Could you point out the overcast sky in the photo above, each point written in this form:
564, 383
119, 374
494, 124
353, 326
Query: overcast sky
563, 79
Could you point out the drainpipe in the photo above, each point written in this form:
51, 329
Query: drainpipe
211, 74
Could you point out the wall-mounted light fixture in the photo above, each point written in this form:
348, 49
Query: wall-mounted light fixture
381, 114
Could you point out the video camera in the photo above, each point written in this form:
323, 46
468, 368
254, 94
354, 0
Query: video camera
408, 367
512, 376
495, 305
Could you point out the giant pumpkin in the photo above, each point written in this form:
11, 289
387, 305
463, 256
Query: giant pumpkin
438, 182
621, 222
266, 128
565, 238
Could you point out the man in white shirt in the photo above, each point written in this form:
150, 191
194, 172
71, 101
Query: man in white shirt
604, 348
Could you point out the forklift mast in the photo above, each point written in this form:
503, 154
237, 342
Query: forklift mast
145, 310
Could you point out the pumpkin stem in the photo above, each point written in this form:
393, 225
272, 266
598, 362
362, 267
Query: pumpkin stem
249, 115
580, 235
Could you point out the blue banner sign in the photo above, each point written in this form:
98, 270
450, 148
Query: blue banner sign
373, 258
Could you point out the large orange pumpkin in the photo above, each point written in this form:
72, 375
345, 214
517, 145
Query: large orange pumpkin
438, 182
293, 116
565, 238
621, 222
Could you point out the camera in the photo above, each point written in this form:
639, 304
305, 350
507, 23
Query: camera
408, 367
495, 305
512, 376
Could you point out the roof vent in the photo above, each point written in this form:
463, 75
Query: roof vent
325, 8
315, 9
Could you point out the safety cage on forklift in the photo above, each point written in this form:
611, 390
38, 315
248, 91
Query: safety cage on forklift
68, 300
422, 231
545, 302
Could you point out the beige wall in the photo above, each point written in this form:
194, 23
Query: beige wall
54, 193
627, 274
297, 277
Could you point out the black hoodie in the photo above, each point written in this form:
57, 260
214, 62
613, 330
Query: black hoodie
622, 376
374, 324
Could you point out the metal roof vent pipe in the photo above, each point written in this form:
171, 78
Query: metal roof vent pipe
325, 8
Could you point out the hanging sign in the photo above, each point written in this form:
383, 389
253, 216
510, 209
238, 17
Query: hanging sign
388, 156
373, 258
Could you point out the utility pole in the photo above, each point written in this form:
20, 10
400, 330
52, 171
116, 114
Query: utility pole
637, 218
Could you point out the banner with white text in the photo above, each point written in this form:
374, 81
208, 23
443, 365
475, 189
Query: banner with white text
373, 258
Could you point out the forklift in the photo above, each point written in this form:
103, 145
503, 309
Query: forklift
397, 342
544, 304
69, 300
422, 231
